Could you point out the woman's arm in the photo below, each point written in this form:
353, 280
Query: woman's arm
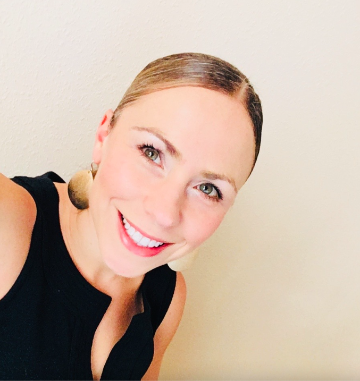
167, 328
17, 217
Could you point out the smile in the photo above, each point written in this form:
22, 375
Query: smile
138, 238
137, 241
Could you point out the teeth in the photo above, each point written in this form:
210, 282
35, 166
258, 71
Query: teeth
131, 231
144, 241
138, 238
152, 243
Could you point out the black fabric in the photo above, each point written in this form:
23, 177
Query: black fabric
49, 316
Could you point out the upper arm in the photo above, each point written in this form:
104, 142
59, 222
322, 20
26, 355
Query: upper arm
168, 327
17, 216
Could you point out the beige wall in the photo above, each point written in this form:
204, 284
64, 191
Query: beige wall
275, 293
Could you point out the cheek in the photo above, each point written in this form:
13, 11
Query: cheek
200, 226
122, 178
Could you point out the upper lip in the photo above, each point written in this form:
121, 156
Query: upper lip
142, 232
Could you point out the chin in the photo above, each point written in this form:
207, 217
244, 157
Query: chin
127, 268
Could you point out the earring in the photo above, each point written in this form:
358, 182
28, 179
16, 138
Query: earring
79, 187
184, 262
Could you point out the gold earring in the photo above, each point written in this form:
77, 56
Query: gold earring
184, 262
79, 187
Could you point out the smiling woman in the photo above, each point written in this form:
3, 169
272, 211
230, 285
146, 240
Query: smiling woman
86, 292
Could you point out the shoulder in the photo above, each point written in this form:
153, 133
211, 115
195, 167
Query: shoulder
17, 209
175, 311
17, 218
168, 327
171, 321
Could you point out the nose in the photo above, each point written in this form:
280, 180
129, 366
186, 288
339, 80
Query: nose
164, 203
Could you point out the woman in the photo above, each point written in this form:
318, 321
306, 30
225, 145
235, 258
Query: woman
85, 289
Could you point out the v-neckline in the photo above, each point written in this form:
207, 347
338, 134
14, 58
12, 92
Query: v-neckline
84, 298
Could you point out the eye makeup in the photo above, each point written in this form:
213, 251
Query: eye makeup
219, 195
147, 149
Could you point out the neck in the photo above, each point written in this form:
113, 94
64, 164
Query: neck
81, 242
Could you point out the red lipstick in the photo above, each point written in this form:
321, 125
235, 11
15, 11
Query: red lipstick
133, 247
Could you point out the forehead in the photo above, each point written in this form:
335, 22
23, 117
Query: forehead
210, 129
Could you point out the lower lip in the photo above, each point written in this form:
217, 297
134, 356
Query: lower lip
133, 247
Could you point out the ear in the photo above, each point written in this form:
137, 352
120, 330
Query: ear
101, 135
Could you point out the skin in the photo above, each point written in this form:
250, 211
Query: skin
211, 131
160, 191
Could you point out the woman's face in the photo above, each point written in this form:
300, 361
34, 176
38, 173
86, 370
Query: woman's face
171, 166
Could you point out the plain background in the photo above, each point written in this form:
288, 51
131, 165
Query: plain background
275, 292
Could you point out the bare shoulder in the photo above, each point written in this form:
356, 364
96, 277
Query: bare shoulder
168, 327
17, 218
176, 308
171, 321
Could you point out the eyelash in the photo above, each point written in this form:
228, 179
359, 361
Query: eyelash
212, 198
215, 199
142, 148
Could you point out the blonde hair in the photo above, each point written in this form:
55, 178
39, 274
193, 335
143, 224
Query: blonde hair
196, 69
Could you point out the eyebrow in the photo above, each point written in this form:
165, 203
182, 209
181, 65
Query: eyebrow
176, 153
169, 147
216, 176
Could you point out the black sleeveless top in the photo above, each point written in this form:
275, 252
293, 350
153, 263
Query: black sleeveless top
49, 316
